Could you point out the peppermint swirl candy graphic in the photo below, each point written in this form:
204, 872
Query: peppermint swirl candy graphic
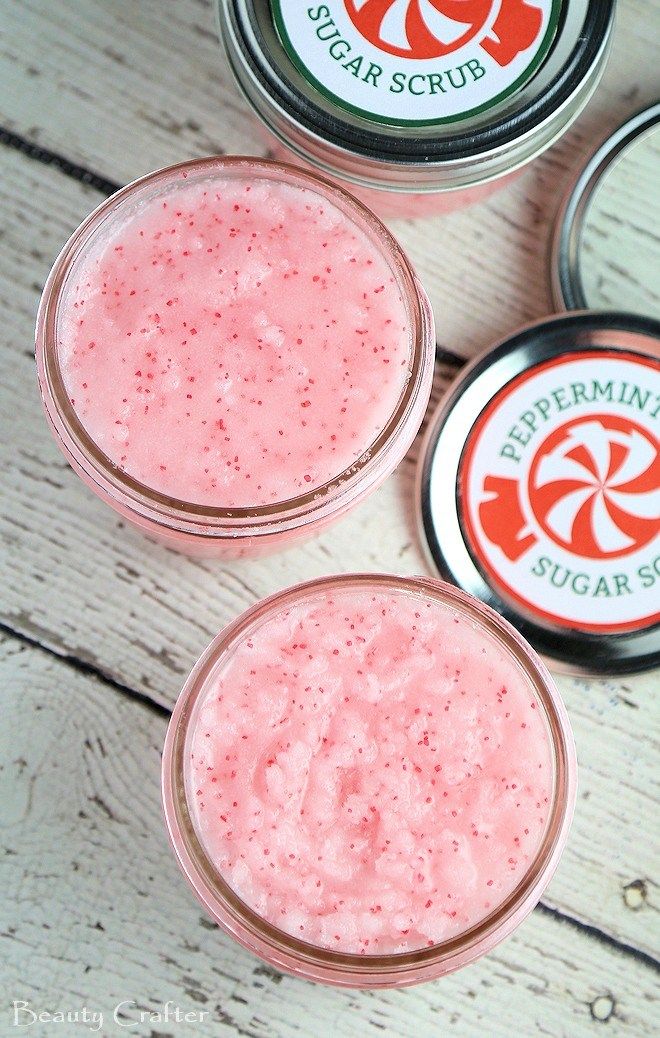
433, 28
594, 487
419, 28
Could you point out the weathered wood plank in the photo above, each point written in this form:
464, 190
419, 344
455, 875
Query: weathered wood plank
615, 832
95, 912
69, 544
74, 579
127, 87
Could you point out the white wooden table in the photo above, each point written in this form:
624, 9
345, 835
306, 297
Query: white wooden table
101, 626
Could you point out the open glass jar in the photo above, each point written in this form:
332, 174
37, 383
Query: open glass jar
232, 353
369, 762
419, 112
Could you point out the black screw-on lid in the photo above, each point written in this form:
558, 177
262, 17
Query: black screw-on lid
539, 487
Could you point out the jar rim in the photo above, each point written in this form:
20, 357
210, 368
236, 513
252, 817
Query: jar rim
209, 520
567, 246
350, 969
250, 53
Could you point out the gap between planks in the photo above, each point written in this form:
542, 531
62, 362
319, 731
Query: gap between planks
143, 933
89, 670
584, 890
80, 173
75, 171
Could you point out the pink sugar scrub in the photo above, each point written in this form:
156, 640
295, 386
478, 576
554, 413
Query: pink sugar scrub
233, 342
369, 769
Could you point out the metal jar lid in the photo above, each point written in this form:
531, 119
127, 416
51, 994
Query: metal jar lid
606, 244
399, 151
539, 488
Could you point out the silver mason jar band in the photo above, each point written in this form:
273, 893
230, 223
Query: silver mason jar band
419, 159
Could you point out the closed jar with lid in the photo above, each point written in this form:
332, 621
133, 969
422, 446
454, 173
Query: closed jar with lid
421, 106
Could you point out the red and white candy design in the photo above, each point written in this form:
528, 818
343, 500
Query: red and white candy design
594, 486
433, 28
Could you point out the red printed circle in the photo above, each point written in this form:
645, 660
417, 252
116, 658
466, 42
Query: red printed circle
587, 496
422, 29
592, 486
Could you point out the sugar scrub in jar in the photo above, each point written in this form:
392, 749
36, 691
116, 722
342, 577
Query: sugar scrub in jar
233, 352
368, 780
418, 106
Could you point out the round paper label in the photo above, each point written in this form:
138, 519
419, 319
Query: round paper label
416, 62
560, 491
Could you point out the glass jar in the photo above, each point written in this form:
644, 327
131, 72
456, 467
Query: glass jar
476, 110
205, 529
180, 784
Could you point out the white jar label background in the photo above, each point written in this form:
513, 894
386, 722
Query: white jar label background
416, 62
560, 491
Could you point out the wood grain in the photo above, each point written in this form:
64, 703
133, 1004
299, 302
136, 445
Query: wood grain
126, 87
175, 605
620, 243
75, 578
96, 912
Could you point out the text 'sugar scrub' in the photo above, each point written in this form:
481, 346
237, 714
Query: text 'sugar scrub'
540, 487
418, 107
238, 335
369, 767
